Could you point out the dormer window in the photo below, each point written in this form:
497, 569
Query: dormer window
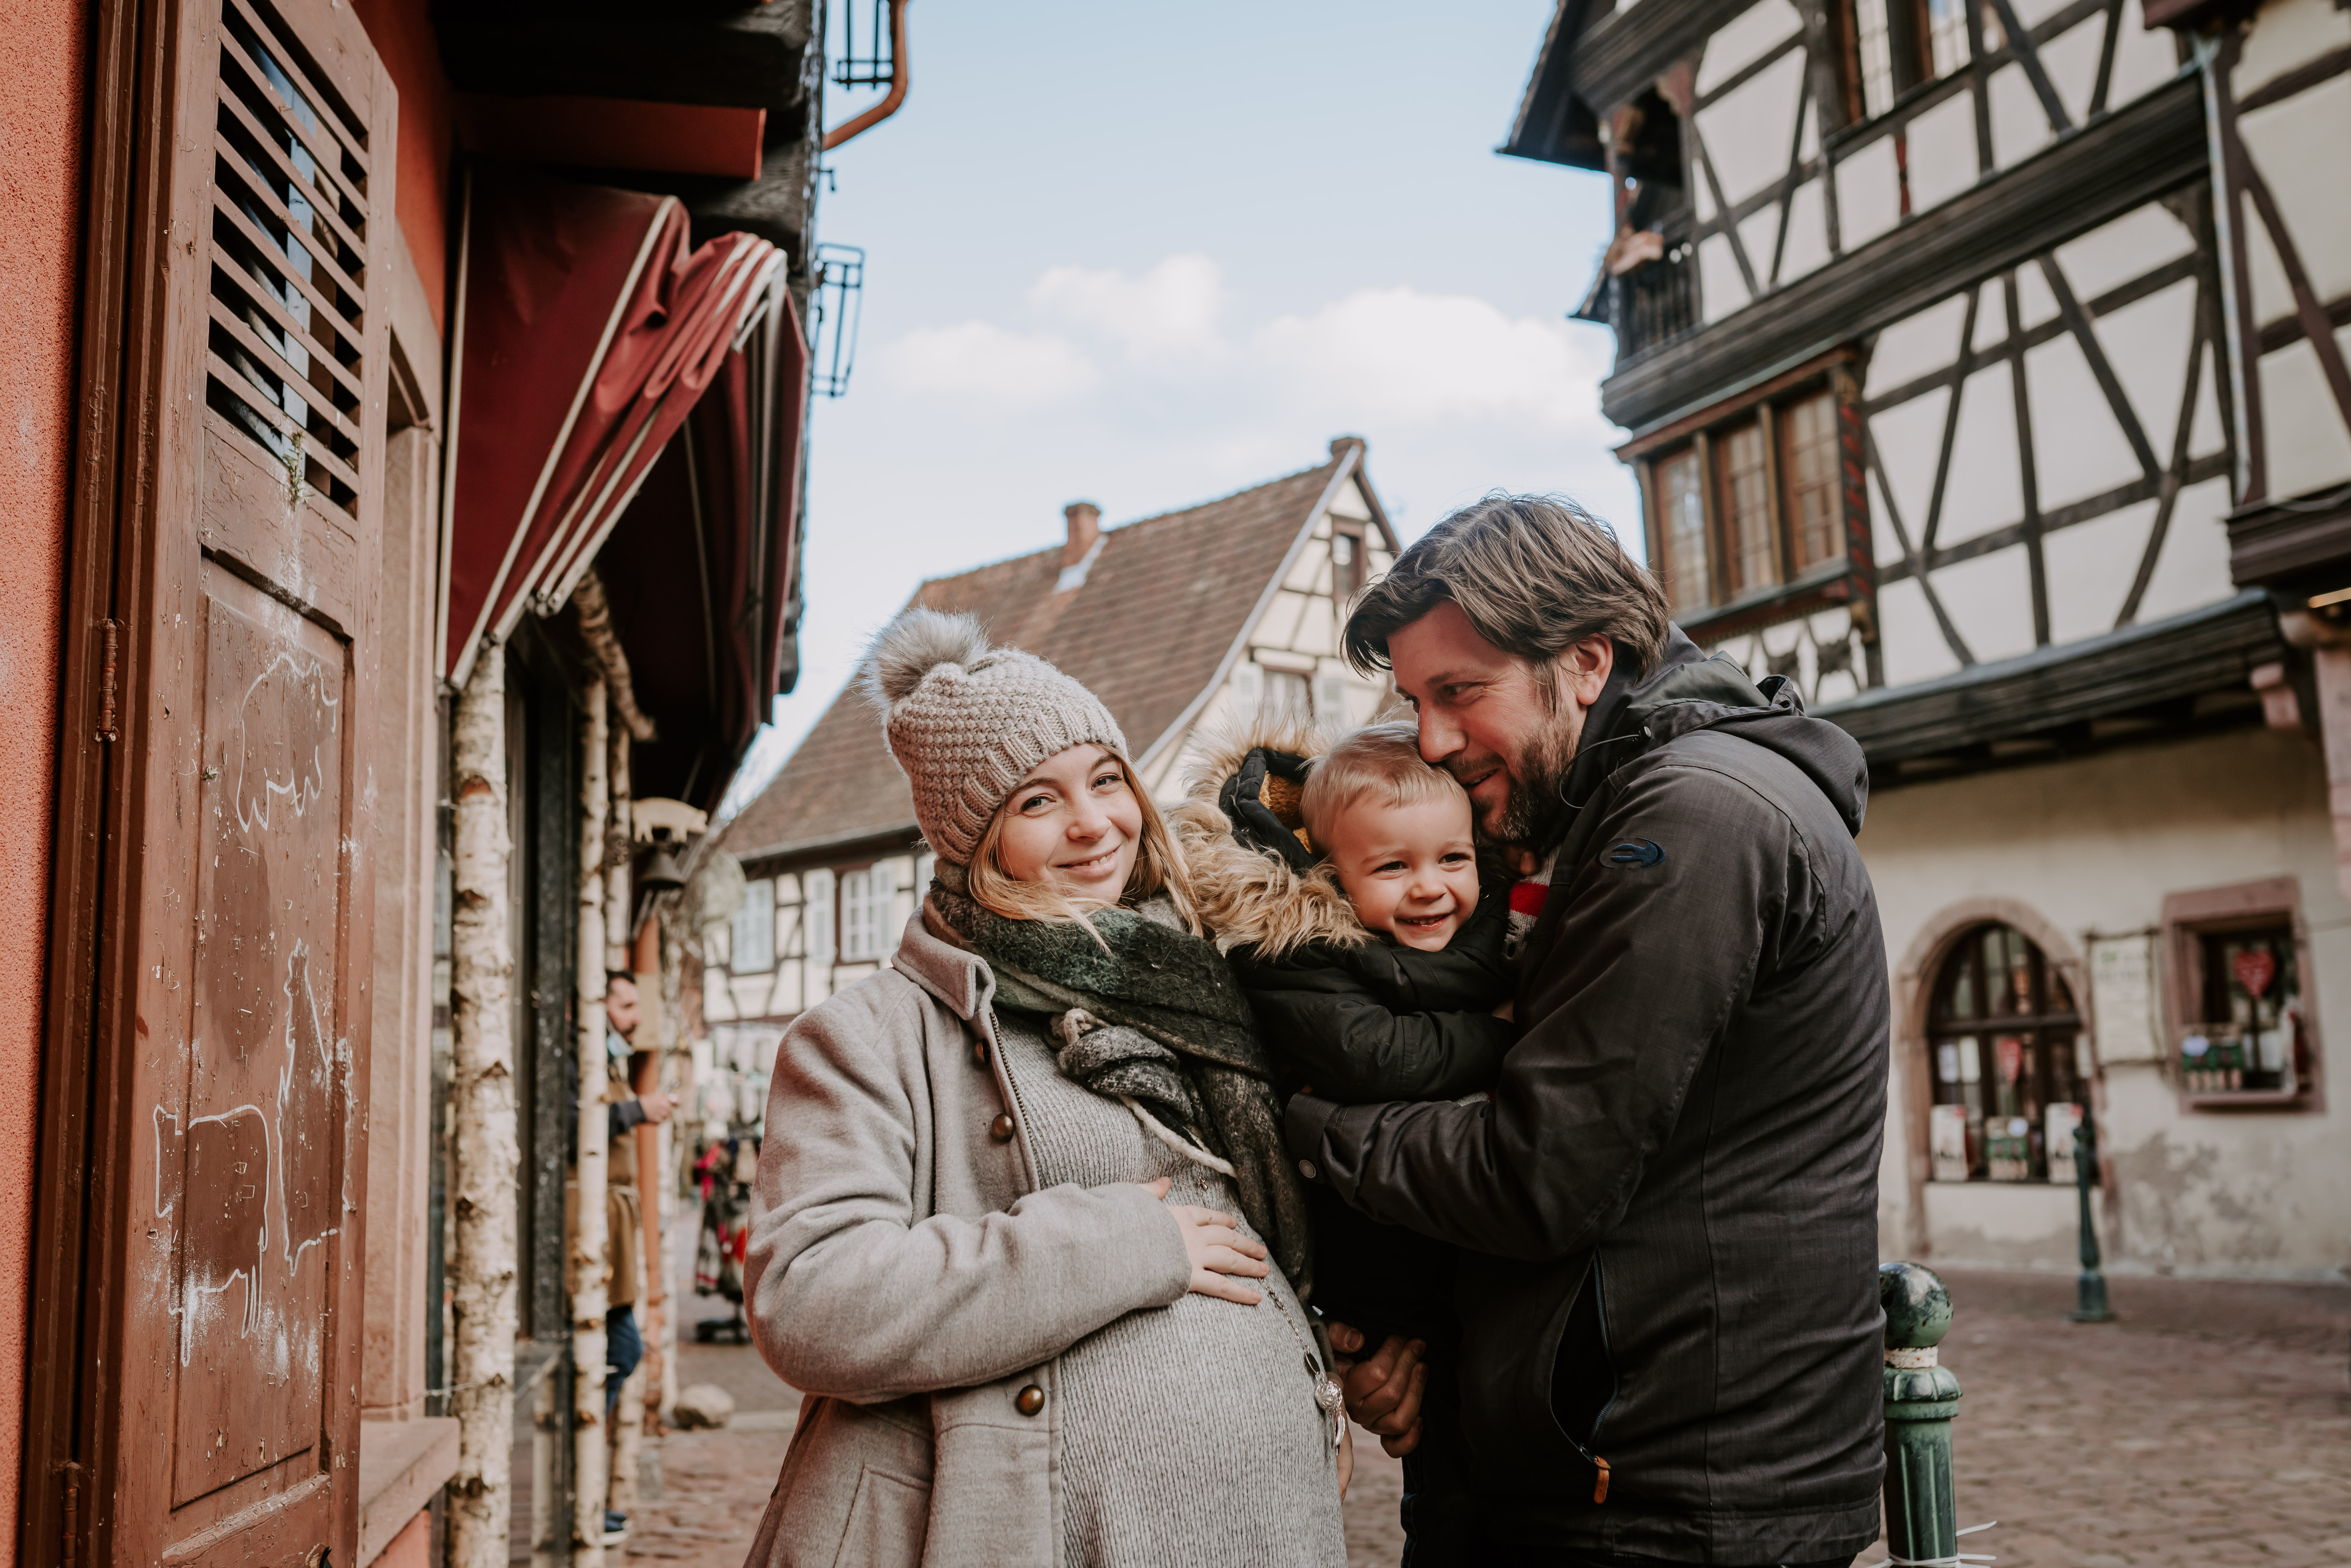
1346, 563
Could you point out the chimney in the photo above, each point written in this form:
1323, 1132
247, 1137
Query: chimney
1085, 527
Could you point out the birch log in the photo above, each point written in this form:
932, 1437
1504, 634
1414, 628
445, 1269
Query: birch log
487, 1155
590, 1255
619, 843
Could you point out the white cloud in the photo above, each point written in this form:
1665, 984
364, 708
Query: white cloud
1393, 360
983, 366
1403, 357
1147, 392
1167, 317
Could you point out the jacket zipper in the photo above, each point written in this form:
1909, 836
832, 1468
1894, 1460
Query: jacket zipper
1599, 1464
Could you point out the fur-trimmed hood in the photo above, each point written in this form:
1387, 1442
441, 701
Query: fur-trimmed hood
1249, 897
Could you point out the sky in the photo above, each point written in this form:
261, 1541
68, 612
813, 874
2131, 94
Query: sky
1145, 256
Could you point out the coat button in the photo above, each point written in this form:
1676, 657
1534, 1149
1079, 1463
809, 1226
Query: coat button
980, 1053
1001, 1131
1306, 1169
1031, 1400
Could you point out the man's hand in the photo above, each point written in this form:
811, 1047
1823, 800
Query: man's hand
658, 1106
1384, 1393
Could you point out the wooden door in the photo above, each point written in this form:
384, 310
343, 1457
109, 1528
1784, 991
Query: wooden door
222, 1407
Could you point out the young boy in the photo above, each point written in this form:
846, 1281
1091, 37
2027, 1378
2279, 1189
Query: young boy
1347, 890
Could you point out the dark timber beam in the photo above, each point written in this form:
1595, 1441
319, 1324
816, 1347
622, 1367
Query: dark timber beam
2211, 650
2133, 156
1621, 54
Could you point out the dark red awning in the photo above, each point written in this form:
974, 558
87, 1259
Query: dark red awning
589, 326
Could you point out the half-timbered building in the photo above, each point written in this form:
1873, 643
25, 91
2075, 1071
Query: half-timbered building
1176, 621
1957, 340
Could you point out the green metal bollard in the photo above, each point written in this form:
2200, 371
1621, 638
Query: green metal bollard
1921, 1396
2090, 1289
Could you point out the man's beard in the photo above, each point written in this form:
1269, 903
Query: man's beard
1536, 810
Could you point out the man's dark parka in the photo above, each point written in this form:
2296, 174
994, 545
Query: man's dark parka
1671, 1203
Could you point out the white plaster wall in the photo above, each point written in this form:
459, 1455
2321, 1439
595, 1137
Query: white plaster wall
1302, 620
2095, 845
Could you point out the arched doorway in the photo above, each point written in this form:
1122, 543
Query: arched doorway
2003, 1047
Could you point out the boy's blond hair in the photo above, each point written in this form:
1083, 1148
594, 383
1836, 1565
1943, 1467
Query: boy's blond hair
1380, 763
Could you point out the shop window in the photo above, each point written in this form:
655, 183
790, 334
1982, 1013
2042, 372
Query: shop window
1750, 503
2004, 1038
753, 947
2241, 1023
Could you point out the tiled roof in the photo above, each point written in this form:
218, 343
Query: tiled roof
1146, 631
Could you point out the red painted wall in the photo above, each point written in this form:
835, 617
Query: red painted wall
402, 32
44, 55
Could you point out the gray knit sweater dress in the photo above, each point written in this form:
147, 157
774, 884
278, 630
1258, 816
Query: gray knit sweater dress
1190, 1433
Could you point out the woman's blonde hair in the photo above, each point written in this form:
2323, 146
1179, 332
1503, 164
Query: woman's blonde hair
1159, 868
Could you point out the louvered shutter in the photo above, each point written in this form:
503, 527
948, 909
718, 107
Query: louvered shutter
228, 1426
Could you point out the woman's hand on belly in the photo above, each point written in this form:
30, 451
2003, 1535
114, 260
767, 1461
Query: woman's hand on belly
1220, 1254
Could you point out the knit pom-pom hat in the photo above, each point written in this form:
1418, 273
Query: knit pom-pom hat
967, 722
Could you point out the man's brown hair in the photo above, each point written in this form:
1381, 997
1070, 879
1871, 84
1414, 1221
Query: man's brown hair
1534, 574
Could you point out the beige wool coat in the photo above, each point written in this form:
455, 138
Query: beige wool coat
898, 1245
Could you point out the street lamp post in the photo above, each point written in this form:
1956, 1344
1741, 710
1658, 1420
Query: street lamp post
2090, 1296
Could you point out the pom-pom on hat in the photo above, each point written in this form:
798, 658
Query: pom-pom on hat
967, 722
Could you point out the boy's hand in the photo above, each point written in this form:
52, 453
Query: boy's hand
1384, 1393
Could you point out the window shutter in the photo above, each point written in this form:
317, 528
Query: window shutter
820, 918
856, 939
259, 233
1247, 688
286, 359
1331, 697
885, 909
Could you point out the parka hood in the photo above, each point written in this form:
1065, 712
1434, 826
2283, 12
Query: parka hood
1249, 897
1689, 691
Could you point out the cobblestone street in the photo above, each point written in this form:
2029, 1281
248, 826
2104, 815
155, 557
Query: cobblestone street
2210, 1429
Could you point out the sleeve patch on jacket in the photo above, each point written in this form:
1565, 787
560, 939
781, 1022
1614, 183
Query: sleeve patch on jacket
1633, 853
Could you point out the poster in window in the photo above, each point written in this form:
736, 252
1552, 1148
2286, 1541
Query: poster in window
2012, 1058
1947, 1142
2061, 1120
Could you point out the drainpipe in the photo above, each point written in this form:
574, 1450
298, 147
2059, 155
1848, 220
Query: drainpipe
899, 78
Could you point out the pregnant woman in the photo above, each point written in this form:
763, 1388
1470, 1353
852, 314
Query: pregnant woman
1022, 1213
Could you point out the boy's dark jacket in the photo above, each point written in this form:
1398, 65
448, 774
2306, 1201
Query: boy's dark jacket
1670, 1205
1375, 1020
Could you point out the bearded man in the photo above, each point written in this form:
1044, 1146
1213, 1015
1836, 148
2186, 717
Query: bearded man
1669, 1341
